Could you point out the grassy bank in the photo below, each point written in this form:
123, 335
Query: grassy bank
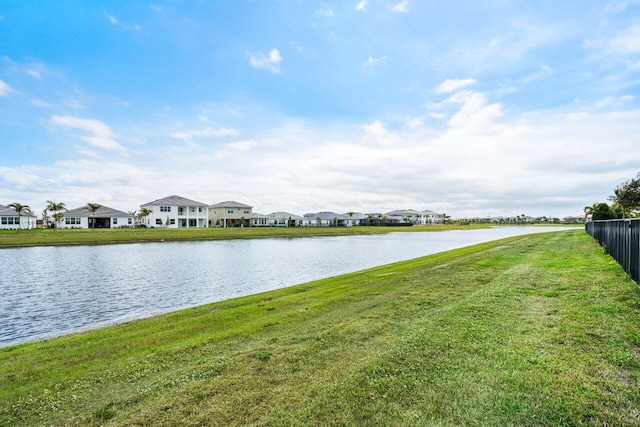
35, 237
534, 330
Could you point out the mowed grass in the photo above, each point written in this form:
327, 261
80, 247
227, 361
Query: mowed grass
37, 236
531, 330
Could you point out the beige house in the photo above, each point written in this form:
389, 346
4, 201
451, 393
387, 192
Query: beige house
230, 214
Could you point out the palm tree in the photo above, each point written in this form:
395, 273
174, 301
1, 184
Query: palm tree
588, 210
144, 212
45, 218
93, 207
57, 217
135, 217
56, 208
20, 208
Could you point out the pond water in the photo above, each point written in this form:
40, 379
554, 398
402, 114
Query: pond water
50, 291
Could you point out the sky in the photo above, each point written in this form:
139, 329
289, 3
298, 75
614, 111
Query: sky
471, 108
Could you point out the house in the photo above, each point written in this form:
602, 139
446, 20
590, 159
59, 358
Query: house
104, 217
431, 217
10, 220
230, 214
405, 216
284, 219
324, 219
176, 212
259, 220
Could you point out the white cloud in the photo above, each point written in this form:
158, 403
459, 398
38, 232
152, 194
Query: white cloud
371, 61
618, 7
97, 134
114, 21
5, 89
35, 74
325, 10
270, 62
362, 5
206, 132
625, 42
452, 85
402, 7
545, 71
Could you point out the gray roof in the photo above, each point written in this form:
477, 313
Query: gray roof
428, 212
103, 212
175, 201
325, 215
356, 215
285, 215
258, 216
403, 212
231, 204
4, 210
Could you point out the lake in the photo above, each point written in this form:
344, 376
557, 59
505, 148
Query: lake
50, 291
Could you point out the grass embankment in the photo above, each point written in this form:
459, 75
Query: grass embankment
535, 330
36, 237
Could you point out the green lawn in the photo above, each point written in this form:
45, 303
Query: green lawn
12, 238
531, 330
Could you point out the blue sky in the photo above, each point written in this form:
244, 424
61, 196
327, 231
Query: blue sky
469, 108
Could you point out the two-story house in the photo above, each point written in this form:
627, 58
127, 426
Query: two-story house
230, 214
176, 212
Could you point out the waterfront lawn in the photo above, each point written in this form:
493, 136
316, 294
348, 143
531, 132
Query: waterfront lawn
535, 330
37, 236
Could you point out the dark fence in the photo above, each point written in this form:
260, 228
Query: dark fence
621, 240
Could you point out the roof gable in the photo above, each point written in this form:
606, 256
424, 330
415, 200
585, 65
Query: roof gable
231, 204
104, 211
175, 201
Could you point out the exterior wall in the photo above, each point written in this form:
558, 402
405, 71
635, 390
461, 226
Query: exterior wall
74, 222
222, 217
260, 222
179, 216
119, 222
13, 222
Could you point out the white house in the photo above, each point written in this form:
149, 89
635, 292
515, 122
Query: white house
431, 217
230, 213
284, 219
176, 212
324, 219
405, 216
259, 220
104, 217
10, 220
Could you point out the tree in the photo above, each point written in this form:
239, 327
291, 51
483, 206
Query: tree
627, 196
20, 209
603, 211
56, 208
57, 217
588, 210
135, 217
369, 216
45, 218
93, 207
144, 212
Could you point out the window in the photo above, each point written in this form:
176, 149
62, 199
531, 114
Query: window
115, 221
229, 210
180, 211
158, 221
165, 208
246, 211
192, 209
72, 221
172, 221
200, 210
129, 221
